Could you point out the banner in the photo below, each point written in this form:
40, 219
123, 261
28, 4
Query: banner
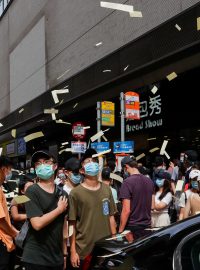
132, 105
123, 147
107, 113
100, 146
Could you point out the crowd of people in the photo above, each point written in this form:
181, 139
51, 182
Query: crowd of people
70, 208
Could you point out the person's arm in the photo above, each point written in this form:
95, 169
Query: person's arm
160, 206
124, 214
153, 202
65, 236
181, 214
10, 230
187, 209
39, 223
164, 202
75, 259
113, 225
15, 214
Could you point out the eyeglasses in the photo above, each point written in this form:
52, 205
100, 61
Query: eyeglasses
46, 162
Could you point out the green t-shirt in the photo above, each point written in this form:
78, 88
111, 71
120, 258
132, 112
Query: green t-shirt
91, 210
43, 247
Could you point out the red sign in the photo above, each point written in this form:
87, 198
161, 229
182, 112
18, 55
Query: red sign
132, 105
78, 131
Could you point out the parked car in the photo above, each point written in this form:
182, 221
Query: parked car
174, 247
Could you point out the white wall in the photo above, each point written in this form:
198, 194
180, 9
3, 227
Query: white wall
27, 67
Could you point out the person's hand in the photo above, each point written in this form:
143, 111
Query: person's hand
75, 260
62, 204
15, 232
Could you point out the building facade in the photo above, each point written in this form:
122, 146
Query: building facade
94, 52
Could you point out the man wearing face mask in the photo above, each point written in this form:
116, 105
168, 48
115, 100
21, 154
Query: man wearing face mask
74, 178
137, 197
46, 211
91, 213
7, 231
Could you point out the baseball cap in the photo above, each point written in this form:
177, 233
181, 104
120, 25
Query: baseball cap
88, 154
162, 174
195, 173
127, 160
42, 154
72, 164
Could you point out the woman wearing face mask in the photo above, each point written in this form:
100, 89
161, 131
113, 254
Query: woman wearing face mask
193, 203
192, 188
163, 198
73, 176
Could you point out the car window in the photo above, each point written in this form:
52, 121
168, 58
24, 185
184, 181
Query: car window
187, 254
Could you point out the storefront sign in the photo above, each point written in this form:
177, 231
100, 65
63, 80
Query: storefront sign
107, 113
21, 146
132, 105
100, 146
10, 148
78, 131
123, 147
150, 114
78, 147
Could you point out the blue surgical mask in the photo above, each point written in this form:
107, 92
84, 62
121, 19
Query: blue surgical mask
76, 178
8, 176
44, 171
160, 182
62, 176
195, 185
91, 168
126, 174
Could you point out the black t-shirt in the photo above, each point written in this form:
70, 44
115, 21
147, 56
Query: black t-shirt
44, 247
139, 190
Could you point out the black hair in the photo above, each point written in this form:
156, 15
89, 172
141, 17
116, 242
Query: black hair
111, 164
5, 162
23, 182
159, 160
106, 174
132, 164
166, 189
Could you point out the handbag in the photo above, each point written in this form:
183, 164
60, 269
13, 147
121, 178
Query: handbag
20, 238
172, 212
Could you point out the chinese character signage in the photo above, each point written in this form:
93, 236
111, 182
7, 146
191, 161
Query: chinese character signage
100, 146
123, 147
132, 105
150, 114
107, 113
78, 147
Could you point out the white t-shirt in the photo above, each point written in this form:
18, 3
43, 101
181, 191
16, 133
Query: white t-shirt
182, 198
67, 189
167, 199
